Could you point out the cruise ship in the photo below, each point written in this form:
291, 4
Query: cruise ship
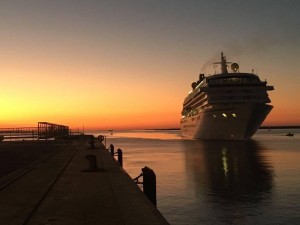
225, 106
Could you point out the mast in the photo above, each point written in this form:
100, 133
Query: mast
223, 64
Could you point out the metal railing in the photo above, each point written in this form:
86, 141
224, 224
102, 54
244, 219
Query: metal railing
51, 130
19, 133
44, 131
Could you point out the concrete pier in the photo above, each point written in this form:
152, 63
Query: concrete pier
64, 190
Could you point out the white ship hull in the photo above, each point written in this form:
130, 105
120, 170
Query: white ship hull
226, 122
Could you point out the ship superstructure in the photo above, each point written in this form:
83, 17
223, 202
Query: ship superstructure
228, 105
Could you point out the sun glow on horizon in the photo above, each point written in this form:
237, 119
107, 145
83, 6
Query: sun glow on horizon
106, 65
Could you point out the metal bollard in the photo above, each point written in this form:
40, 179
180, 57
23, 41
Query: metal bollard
120, 157
149, 184
92, 162
101, 138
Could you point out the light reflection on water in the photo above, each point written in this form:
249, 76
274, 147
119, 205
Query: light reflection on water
210, 182
231, 178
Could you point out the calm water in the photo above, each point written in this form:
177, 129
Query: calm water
209, 182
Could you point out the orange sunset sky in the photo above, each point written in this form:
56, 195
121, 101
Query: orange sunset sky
129, 64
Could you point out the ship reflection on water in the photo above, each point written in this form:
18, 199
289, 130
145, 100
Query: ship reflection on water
219, 182
229, 172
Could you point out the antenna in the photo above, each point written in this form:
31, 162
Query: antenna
215, 69
223, 63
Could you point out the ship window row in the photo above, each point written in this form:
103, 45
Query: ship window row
188, 102
238, 85
197, 96
200, 103
196, 102
238, 92
215, 98
229, 80
235, 96
196, 105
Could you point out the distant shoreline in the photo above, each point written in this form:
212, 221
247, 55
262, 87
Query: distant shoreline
280, 127
262, 127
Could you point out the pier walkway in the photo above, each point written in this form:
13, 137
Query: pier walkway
61, 191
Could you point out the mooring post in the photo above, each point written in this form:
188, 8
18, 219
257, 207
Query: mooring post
112, 149
149, 184
120, 157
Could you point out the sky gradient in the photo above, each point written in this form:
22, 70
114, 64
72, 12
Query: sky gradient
129, 64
